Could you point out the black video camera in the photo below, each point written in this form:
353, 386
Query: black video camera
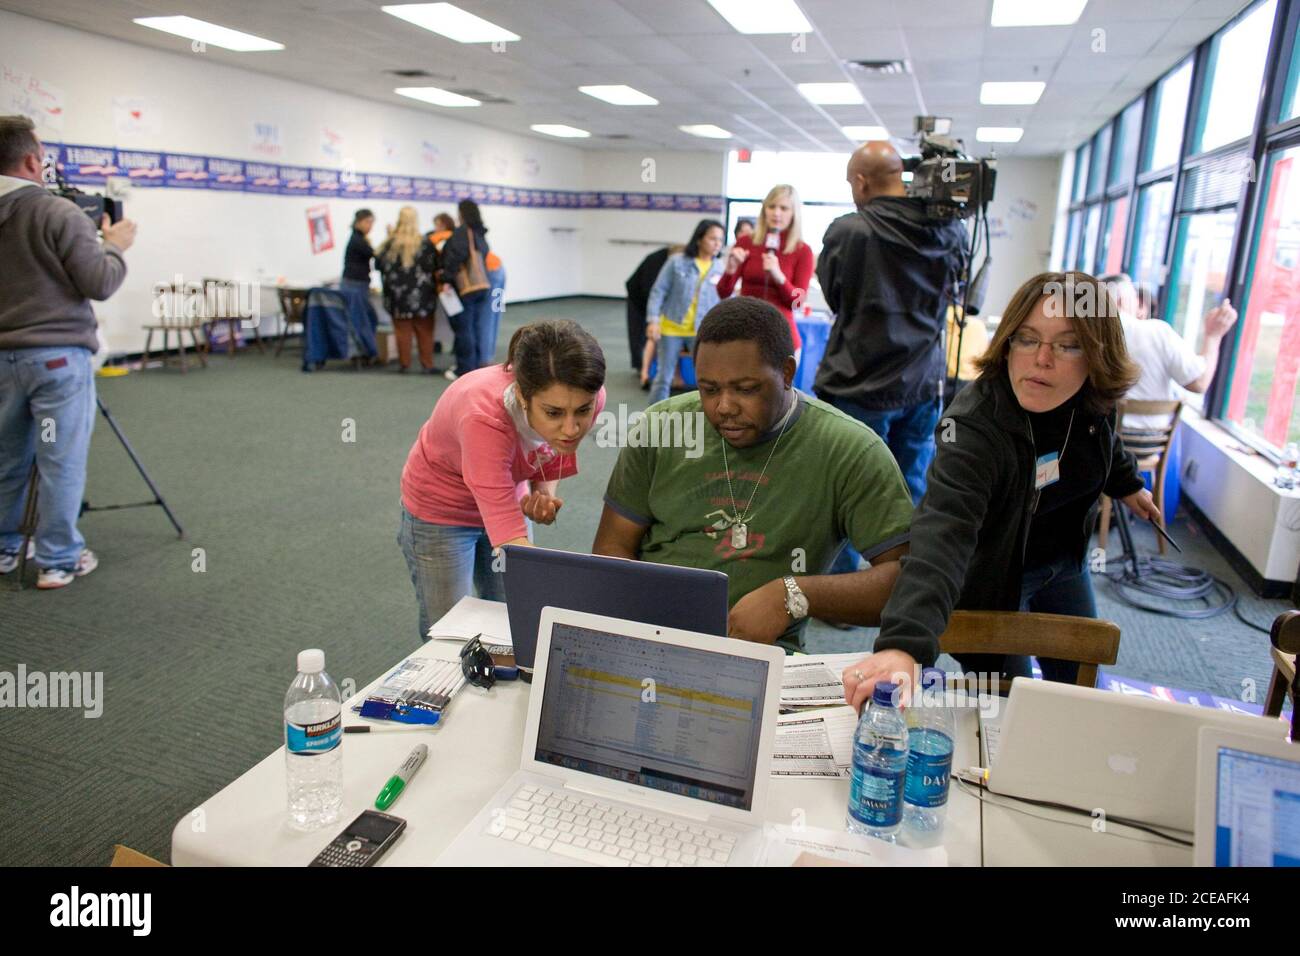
94, 205
952, 184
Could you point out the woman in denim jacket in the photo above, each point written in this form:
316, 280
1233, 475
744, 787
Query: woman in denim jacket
686, 289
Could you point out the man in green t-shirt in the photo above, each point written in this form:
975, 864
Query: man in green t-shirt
779, 483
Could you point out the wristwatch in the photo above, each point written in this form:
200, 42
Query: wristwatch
796, 602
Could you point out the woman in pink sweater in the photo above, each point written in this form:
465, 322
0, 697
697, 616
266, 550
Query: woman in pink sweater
490, 457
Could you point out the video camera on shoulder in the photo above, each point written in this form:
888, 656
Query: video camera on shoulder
952, 184
94, 205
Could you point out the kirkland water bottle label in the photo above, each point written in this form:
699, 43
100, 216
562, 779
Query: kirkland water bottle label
927, 779
876, 800
316, 738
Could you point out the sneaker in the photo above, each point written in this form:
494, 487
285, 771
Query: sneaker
450, 375
9, 559
62, 577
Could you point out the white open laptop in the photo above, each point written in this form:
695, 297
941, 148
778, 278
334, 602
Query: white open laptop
1247, 800
1135, 757
645, 746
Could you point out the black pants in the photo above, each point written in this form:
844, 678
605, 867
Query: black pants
636, 331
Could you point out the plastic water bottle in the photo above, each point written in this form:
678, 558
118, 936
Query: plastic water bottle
929, 757
879, 768
313, 731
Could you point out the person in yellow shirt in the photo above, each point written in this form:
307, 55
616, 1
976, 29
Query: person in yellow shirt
687, 288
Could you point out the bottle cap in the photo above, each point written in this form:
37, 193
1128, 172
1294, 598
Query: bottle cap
311, 661
884, 693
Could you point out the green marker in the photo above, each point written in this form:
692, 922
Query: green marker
398, 781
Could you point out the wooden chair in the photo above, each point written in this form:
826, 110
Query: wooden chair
1285, 638
1084, 640
1150, 446
293, 311
176, 313
222, 302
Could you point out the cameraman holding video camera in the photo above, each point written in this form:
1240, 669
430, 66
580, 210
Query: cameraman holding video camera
887, 272
51, 265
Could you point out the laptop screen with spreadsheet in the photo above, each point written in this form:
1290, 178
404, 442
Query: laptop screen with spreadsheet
1257, 810
661, 716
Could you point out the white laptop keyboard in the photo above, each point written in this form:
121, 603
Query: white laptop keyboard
589, 831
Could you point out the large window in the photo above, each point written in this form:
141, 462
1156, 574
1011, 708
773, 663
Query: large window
1088, 253
1237, 60
1165, 133
1200, 270
1100, 156
1128, 137
1155, 203
1110, 258
1291, 102
1080, 173
1262, 394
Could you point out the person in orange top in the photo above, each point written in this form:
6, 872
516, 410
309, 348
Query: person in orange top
496, 273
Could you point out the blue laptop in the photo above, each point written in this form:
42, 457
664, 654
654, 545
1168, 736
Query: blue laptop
664, 595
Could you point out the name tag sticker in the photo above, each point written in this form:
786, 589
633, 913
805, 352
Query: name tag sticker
1048, 471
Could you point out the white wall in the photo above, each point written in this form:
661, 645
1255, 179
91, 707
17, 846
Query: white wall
207, 108
614, 244
1020, 221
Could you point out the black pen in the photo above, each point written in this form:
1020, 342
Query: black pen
1165, 534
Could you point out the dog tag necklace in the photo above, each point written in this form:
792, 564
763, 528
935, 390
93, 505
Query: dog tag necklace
739, 527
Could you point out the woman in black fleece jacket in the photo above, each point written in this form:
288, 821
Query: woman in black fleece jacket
1023, 456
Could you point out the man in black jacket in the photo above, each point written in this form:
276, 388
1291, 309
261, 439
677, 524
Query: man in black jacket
638, 286
887, 272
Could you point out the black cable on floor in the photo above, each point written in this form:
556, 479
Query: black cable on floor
1242, 618
1173, 582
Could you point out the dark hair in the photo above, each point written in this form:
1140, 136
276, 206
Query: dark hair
543, 353
17, 141
1094, 317
751, 320
361, 214
444, 221
749, 221
470, 215
701, 229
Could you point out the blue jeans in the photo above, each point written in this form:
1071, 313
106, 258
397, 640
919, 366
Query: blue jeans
472, 327
47, 412
497, 310
667, 352
909, 433
446, 563
1062, 587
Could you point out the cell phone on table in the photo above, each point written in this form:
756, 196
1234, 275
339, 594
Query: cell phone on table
363, 842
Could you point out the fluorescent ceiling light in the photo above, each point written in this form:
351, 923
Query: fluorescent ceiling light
831, 94
436, 96
1011, 94
1036, 13
763, 16
619, 95
707, 130
205, 32
864, 134
559, 129
999, 134
452, 22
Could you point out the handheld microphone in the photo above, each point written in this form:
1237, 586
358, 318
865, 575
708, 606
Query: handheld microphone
773, 241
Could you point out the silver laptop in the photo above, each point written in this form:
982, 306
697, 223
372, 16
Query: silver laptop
1133, 757
645, 746
1247, 800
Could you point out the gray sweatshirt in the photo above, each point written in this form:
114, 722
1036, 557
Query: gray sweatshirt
51, 264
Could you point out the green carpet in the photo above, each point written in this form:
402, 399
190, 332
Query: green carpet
297, 529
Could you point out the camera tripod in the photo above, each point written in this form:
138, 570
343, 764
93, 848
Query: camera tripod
27, 527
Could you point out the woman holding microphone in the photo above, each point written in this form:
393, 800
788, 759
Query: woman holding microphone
491, 456
774, 264
1023, 456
